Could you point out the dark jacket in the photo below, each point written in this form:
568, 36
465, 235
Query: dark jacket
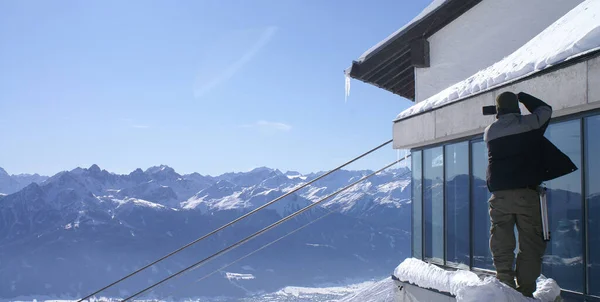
519, 156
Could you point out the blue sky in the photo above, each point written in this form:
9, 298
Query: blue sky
202, 86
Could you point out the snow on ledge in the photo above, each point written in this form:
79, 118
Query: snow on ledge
574, 34
467, 286
429, 276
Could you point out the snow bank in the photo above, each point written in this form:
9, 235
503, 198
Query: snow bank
467, 286
491, 289
574, 34
429, 276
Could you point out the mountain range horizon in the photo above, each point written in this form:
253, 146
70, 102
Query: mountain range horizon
70, 233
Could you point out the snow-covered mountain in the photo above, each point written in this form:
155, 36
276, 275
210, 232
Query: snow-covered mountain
83, 228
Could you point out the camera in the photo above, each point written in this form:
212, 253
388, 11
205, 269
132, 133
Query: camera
489, 110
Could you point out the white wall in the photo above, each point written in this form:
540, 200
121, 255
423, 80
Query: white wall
482, 36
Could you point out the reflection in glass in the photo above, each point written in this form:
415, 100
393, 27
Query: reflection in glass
433, 204
457, 203
482, 257
592, 193
564, 255
417, 204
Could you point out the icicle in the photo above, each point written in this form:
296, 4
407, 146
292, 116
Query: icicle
347, 88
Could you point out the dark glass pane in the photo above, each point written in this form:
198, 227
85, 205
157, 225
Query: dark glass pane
417, 204
456, 162
433, 203
564, 255
482, 257
592, 186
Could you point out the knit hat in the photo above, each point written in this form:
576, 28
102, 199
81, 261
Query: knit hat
507, 102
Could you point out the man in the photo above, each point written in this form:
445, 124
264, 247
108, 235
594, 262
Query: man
520, 159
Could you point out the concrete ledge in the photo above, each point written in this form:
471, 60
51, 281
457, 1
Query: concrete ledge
593, 80
463, 117
408, 292
570, 90
415, 130
561, 89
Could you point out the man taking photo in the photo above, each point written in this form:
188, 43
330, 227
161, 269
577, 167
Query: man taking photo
520, 158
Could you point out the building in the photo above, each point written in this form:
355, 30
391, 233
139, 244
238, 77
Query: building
454, 58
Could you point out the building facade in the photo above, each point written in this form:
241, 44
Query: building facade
434, 61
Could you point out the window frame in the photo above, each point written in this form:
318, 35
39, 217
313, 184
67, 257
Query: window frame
412, 198
582, 117
447, 263
425, 258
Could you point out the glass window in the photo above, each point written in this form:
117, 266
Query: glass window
456, 163
592, 192
417, 204
564, 254
433, 204
482, 256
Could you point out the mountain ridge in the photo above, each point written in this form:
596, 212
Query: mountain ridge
70, 233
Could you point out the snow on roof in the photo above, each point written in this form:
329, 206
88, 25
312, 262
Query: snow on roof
573, 35
428, 10
467, 286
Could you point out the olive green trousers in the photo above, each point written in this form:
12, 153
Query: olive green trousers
520, 207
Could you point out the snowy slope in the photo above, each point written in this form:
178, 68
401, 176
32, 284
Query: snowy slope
573, 35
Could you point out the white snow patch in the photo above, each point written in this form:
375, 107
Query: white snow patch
313, 193
138, 202
391, 186
574, 34
348, 199
237, 276
248, 268
193, 202
266, 192
169, 234
231, 202
301, 292
467, 286
300, 176
68, 226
